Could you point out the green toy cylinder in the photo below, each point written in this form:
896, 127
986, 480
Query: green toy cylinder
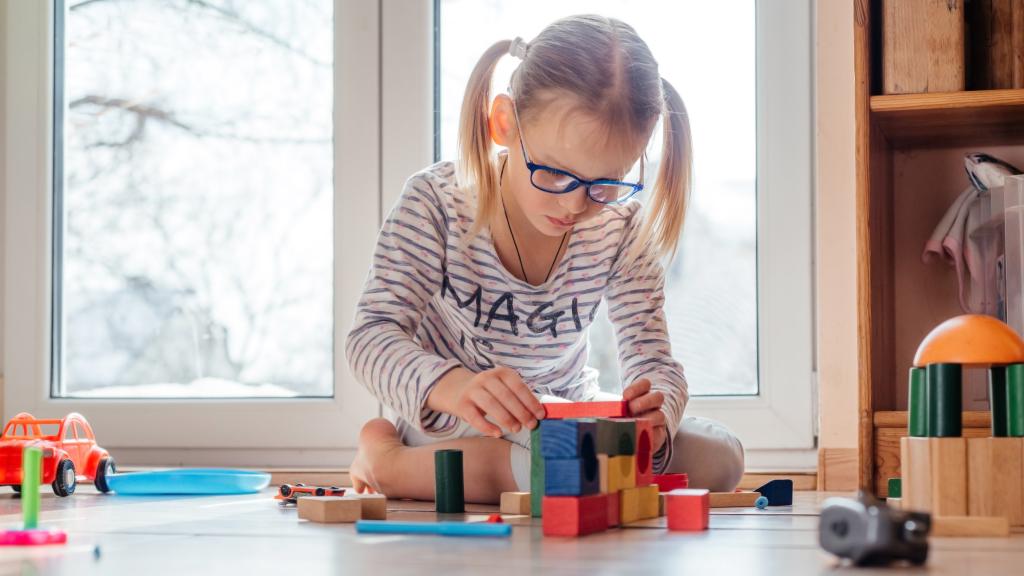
31, 465
448, 488
918, 403
945, 404
1014, 400
997, 400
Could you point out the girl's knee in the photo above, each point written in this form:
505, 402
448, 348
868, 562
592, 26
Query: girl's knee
709, 454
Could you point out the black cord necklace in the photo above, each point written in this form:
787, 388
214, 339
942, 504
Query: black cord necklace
501, 178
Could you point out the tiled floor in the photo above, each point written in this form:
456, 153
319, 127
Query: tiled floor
252, 535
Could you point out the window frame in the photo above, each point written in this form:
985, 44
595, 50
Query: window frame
299, 432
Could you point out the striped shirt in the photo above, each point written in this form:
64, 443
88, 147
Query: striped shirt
437, 299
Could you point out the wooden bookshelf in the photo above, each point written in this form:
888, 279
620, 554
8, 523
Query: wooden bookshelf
909, 165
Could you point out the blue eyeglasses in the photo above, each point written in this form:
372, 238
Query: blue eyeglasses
557, 181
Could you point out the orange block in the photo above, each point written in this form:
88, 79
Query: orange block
688, 510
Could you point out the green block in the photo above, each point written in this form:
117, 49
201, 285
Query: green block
536, 473
997, 400
895, 488
1015, 400
918, 403
449, 495
616, 437
31, 465
945, 405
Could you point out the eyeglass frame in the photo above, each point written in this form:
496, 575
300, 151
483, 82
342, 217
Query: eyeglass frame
533, 167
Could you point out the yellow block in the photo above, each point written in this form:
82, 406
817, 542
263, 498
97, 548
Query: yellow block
629, 505
602, 472
995, 467
648, 496
515, 503
621, 473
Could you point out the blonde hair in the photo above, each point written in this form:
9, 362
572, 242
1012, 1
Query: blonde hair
604, 64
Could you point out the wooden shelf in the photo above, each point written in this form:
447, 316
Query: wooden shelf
944, 119
898, 419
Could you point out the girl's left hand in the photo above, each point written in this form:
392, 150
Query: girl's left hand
643, 403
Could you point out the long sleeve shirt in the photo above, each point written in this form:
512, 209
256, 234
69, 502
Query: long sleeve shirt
437, 298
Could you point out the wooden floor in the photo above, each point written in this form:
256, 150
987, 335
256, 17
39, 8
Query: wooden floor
252, 535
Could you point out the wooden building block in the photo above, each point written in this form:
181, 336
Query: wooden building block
661, 502
1015, 400
515, 503
644, 452
611, 409
575, 516
621, 472
449, 495
733, 499
374, 506
616, 436
670, 482
894, 503
602, 473
575, 477
629, 505
614, 501
970, 526
688, 510
922, 46
949, 476
648, 501
915, 474
895, 486
945, 400
917, 405
567, 439
330, 509
995, 467
536, 474
779, 492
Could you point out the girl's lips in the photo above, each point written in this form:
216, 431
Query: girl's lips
561, 223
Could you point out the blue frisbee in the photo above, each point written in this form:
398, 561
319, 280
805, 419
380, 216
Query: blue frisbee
188, 481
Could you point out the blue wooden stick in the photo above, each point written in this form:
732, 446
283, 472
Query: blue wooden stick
442, 528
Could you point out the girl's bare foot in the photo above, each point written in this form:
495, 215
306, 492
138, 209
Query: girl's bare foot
377, 441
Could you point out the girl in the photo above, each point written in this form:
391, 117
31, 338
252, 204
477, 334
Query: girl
487, 276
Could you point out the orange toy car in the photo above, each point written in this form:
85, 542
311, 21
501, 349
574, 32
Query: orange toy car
70, 453
290, 494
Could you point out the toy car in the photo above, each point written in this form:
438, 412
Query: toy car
70, 453
290, 494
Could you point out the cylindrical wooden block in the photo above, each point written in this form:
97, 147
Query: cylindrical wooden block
918, 404
1015, 400
448, 489
945, 404
997, 399
922, 46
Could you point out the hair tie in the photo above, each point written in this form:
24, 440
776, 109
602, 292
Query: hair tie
518, 48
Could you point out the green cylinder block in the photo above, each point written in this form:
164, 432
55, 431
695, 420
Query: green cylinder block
536, 473
448, 489
997, 399
918, 403
945, 404
895, 486
31, 473
1015, 400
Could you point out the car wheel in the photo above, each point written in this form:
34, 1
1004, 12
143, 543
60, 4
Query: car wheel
16, 488
285, 490
320, 492
64, 482
104, 469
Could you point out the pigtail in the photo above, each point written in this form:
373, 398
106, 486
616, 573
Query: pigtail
476, 168
671, 195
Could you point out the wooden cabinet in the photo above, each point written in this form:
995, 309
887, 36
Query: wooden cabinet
909, 168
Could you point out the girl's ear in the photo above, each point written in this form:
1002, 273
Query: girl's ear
501, 120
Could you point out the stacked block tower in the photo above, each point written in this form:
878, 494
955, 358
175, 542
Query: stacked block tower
967, 481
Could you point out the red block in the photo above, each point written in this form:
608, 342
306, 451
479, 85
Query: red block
574, 515
644, 452
561, 410
613, 509
688, 510
670, 482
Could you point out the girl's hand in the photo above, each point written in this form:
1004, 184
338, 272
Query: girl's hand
646, 404
499, 394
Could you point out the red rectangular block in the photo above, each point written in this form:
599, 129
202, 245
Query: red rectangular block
688, 510
613, 509
574, 515
612, 409
670, 482
644, 452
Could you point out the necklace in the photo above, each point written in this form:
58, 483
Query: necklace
522, 268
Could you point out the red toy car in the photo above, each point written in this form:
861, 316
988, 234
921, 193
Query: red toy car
70, 453
290, 494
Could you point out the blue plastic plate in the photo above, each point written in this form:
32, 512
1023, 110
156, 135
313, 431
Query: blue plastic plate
192, 481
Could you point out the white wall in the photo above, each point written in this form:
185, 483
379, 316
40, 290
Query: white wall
3, 184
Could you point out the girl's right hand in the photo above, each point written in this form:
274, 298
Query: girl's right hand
499, 394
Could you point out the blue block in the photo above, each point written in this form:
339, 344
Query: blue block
566, 439
573, 477
778, 492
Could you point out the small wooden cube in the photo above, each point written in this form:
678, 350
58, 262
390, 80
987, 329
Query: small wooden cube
614, 502
374, 506
575, 515
330, 509
603, 409
995, 468
621, 473
648, 500
616, 436
629, 505
602, 472
575, 477
568, 439
670, 482
515, 503
688, 510
644, 452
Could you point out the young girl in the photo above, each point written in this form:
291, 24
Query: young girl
487, 276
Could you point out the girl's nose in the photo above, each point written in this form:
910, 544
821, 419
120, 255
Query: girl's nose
575, 201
